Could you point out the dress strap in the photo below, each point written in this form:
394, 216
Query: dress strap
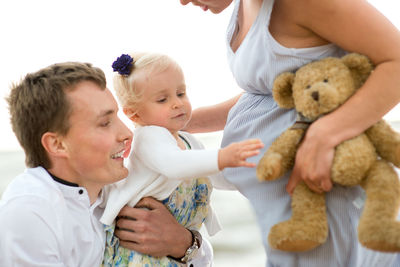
187, 144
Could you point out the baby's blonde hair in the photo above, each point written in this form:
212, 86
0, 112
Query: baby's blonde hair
127, 88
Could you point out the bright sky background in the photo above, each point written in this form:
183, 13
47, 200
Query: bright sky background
37, 33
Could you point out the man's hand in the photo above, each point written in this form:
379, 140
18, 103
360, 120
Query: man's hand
150, 228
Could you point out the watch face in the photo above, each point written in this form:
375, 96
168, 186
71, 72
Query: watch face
192, 250
197, 238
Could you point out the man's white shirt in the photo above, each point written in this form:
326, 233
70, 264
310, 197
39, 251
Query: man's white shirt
46, 223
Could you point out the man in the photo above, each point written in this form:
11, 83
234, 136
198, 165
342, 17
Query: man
66, 121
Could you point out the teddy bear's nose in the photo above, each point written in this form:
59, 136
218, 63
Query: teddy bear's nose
315, 95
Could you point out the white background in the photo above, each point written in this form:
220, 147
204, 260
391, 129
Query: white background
37, 33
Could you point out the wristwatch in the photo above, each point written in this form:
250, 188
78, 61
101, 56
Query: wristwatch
192, 250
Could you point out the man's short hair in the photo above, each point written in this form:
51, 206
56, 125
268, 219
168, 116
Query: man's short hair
38, 104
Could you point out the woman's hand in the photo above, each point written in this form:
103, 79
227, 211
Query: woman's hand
313, 161
149, 228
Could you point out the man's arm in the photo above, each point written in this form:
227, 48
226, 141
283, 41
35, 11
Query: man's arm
152, 231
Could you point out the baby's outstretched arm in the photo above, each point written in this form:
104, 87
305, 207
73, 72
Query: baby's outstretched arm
235, 154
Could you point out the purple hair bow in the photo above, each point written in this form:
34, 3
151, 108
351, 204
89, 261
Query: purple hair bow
123, 65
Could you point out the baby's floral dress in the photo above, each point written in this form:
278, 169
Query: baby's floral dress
189, 204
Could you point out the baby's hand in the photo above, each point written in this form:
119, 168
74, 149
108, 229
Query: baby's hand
235, 154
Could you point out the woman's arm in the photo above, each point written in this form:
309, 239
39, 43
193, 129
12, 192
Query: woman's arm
210, 118
355, 26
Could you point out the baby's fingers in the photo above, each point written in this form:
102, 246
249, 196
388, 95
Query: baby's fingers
247, 154
252, 142
251, 145
247, 164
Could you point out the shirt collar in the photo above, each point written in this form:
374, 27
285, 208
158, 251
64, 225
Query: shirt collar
73, 190
59, 180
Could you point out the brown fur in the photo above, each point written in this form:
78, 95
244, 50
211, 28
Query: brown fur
362, 160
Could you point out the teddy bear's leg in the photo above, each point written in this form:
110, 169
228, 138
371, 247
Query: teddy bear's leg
279, 157
378, 228
353, 160
308, 227
386, 141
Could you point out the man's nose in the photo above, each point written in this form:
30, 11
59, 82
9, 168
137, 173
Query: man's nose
185, 2
125, 133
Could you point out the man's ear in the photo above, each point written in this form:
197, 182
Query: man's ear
53, 144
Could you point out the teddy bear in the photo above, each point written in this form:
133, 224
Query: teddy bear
314, 90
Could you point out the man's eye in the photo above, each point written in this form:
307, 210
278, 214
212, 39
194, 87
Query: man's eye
162, 100
105, 124
181, 94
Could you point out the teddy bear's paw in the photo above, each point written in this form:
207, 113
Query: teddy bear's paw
296, 245
382, 246
383, 237
269, 167
297, 236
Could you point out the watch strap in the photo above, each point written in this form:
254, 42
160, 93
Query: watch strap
192, 250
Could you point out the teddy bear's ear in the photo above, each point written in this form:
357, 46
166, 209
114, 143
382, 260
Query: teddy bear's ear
282, 90
360, 67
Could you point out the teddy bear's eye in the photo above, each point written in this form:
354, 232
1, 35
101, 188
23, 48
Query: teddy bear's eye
308, 86
325, 80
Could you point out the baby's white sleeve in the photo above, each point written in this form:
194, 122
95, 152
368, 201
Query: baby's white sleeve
158, 149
